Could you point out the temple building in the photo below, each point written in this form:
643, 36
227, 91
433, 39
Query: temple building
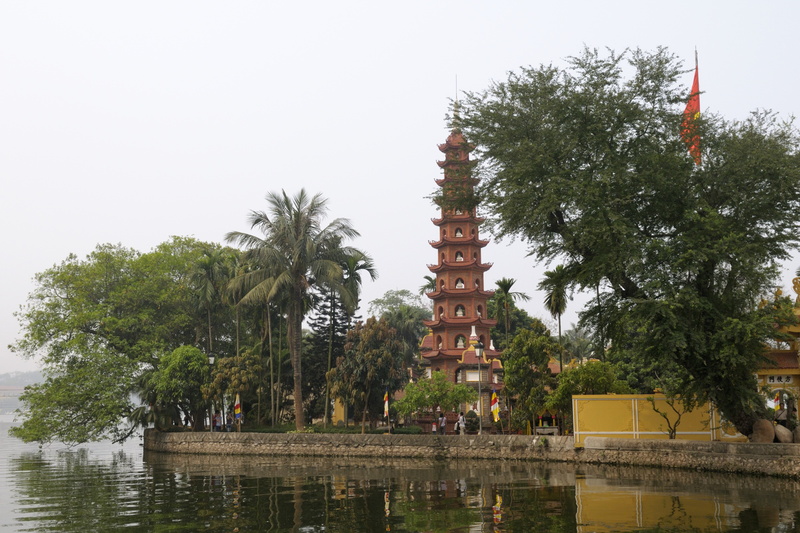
459, 328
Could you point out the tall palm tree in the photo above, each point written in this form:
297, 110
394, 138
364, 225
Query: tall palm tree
295, 254
209, 279
505, 299
352, 267
555, 300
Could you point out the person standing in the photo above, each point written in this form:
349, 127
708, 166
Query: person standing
443, 424
462, 424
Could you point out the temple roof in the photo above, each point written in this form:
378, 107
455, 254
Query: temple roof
461, 265
459, 321
465, 217
472, 239
435, 295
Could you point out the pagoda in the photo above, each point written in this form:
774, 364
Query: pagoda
460, 323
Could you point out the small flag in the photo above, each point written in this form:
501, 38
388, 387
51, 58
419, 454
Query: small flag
690, 116
386, 404
237, 408
777, 401
495, 406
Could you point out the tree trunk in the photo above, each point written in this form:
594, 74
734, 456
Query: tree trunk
295, 348
325, 416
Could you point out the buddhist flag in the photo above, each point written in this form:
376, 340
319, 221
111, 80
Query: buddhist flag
690, 116
777, 401
495, 406
237, 408
386, 404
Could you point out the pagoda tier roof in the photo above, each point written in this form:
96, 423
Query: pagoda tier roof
466, 217
447, 293
438, 322
468, 180
458, 163
456, 140
472, 239
460, 265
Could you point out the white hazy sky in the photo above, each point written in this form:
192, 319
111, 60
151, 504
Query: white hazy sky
129, 122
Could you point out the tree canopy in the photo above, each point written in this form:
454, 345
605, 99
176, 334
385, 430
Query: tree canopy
586, 164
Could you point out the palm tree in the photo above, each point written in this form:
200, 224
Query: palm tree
352, 267
505, 299
209, 279
295, 254
428, 286
555, 301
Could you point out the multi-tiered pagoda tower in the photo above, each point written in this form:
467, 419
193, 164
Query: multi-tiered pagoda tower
460, 318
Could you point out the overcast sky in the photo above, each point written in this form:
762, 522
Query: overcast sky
131, 122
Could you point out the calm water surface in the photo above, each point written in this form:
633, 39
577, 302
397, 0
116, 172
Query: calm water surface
104, 487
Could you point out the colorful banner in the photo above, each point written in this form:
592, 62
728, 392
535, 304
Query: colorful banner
495, 406
237, 408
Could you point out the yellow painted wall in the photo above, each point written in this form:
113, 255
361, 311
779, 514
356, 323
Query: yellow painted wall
606, 506
632, 416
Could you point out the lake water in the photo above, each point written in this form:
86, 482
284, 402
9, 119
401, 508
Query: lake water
103, 487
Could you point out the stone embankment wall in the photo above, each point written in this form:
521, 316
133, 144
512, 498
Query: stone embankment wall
448, 447
781, 460
774, 459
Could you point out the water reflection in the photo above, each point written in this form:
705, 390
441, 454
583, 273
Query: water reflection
83, 490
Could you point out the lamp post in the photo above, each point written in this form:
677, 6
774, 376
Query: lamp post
211, 359
479, 354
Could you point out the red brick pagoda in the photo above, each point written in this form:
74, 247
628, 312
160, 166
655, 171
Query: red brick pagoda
460, 318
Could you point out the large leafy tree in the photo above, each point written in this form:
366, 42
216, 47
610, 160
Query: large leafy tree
372, 365
429, 393
101, 324
527, 372
293, 253
593, 377
587, 165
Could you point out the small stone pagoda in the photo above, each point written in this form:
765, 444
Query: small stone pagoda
460, 323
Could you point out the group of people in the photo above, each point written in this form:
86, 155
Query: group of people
439, 427
217, 421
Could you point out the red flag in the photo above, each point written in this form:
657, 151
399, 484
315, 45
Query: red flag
690, 116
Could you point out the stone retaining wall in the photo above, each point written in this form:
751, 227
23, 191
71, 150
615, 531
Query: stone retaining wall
449, 447
782, 460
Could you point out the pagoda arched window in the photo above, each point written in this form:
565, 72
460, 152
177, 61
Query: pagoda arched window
441, 284
460, 311
461, 341
459, 233
475, 255
459, 256
441, 311
439, 342
480, 310
477, 283
459, 212
459, 283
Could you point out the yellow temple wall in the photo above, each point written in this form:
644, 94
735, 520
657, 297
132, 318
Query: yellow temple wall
631, 416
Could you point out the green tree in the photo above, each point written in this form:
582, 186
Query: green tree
353, 265
555, 301
527, 373
407, 321
593, 377
372, 365
589, 168
429, 393
295, 253
393, 299
504, 299
101, 324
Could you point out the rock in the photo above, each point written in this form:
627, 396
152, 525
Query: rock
784, 435
796, 434
763, 431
